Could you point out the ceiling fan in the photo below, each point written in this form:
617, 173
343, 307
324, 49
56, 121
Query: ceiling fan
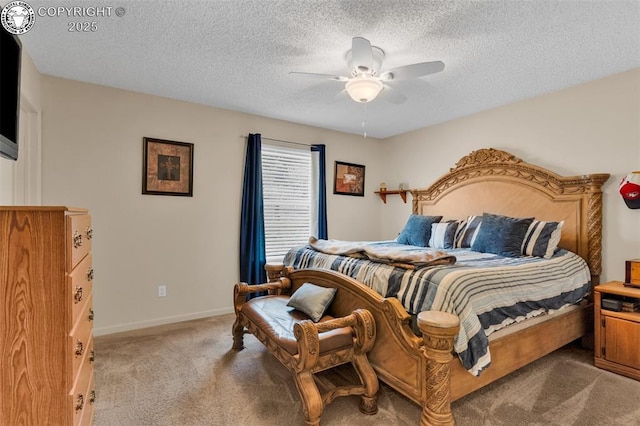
366, 80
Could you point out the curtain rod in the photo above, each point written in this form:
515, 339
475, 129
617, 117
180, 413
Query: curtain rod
280, 140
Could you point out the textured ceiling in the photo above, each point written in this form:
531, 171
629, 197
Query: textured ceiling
237, 54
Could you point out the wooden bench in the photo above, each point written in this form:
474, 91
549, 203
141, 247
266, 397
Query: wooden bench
305, 347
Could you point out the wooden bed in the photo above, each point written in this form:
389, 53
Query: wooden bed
487, 180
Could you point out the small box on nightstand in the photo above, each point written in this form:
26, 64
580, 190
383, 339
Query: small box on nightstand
611, 304
632, 273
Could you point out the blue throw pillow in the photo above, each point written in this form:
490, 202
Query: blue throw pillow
417, 231
501, 235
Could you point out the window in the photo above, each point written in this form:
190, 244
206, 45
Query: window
287, 194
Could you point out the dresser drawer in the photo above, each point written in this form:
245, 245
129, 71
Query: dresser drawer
79, 238
80, 281
87, 411
83, 397
81, 344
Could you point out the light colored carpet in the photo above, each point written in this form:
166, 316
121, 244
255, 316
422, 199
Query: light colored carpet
186, 374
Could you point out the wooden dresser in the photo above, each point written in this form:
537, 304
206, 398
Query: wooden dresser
46, 316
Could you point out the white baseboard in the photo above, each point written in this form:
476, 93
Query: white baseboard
101, 331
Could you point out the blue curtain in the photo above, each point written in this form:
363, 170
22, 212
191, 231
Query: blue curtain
322, 191
252, 239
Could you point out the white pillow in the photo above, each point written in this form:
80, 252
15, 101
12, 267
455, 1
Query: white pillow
443, 234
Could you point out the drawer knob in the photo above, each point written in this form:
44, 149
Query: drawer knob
92, 396
89, 233
79, 348
79, 402
77, 295
77, 239
92, 356
91, 314
90, 274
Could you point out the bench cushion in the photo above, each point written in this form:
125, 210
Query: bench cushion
272, 315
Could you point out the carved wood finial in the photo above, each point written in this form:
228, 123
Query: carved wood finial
439, 329
486, 156
274, 271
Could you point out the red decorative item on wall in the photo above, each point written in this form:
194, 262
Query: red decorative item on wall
630, 190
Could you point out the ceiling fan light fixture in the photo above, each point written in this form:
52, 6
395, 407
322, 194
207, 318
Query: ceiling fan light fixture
363, 89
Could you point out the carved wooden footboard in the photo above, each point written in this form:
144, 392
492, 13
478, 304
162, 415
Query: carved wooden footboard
417, 367
423, 368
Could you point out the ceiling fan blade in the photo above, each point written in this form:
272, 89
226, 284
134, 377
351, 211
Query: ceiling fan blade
320, 76
341, 96
392, 95
361, 55
407, 72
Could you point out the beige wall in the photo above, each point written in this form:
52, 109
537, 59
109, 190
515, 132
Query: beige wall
92, 157
590, 128
92, 151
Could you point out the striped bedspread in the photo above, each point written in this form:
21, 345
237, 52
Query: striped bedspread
486, 291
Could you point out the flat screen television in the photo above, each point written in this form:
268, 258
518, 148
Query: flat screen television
10, 52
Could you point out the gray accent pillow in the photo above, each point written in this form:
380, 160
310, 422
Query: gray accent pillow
312, 299
501, 235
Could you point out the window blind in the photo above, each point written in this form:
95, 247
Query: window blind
286, 185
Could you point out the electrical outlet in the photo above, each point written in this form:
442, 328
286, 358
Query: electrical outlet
162, 291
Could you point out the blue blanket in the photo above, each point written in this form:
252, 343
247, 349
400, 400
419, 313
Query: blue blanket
486, 291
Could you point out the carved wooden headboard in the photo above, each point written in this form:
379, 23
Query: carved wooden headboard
494, 181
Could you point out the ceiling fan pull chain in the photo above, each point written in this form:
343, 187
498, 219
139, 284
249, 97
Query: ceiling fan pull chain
364, 120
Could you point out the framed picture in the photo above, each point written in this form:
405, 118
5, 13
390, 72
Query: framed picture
348, 179
167, 168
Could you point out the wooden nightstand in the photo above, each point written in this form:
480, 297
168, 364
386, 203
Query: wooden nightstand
617, 334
